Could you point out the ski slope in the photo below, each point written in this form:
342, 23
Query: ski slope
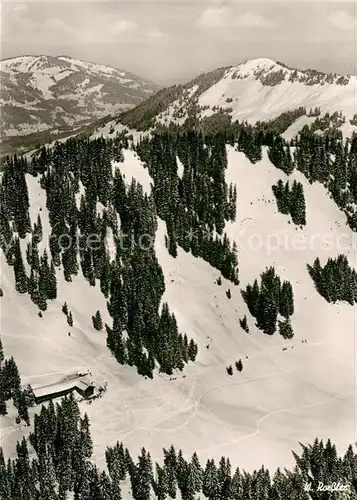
253, 101
254, 417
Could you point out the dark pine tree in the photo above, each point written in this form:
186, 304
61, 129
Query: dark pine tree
19, 269
239, 365
229, 370
97, 321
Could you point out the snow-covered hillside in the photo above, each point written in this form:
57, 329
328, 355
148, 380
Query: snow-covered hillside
262, 89
256, 90
42, 92
289, 391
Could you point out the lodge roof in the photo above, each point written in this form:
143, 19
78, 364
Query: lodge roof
46, 390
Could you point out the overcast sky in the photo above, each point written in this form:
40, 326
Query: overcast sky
169, 41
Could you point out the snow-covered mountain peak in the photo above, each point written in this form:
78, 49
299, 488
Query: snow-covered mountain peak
107, 70
50, 64
252, 65
30, 64
256, 90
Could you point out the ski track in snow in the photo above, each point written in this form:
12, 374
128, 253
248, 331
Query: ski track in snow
197, 403
273, 413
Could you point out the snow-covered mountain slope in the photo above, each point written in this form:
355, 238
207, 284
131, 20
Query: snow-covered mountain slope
257, 90
42, 92
289, 391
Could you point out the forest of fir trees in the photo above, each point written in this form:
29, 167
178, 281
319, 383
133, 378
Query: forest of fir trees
133, 283
11, 390
269, 300
327, 158
291, 201
195, 208
336, 281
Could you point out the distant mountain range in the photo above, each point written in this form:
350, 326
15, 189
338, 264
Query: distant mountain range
41, 93
48, 98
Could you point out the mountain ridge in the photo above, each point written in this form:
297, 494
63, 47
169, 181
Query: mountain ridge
255, 90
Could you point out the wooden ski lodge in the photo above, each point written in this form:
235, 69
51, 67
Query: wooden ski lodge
82, 386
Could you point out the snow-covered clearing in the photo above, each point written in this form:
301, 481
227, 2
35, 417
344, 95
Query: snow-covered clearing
294, 129
133, 168
111, 128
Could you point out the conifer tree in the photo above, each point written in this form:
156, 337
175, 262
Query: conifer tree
2, 357
22, 408
244, 323
286, 306
192, 350
97, 321
297, 204
196, 472
11, 378
52, 283
210, 487
19, 269
85, 437
285, 329
142, 480
70, 319
3, 410
170, 464
159, 484
239, 365
37, 233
